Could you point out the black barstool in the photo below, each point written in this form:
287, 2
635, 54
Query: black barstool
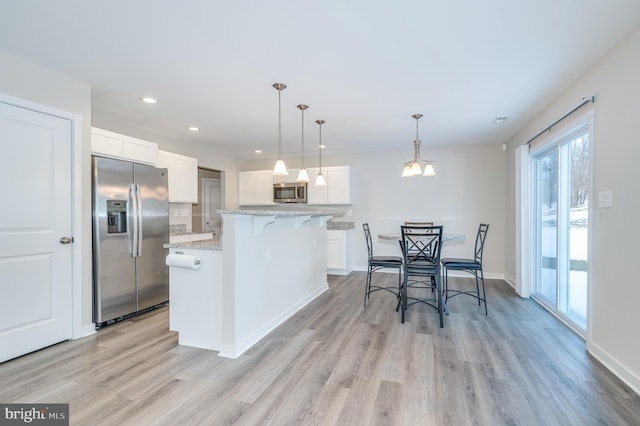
378, 262
421, 246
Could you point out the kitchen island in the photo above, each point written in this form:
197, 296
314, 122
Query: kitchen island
267, 266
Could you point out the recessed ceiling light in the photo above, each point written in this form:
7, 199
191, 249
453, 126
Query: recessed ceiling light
500, 119
194, 129
258, 151
149, 100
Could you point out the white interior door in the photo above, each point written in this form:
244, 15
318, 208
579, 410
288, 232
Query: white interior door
211, 201
35, 219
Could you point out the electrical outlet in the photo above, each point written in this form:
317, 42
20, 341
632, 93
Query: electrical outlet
605, 199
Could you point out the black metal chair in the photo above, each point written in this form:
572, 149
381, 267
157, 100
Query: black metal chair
421, 247
380, 262
472, 266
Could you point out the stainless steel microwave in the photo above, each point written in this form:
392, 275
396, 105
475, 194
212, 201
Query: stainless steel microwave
289, 192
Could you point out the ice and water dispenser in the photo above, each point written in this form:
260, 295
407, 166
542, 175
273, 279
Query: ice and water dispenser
116, 217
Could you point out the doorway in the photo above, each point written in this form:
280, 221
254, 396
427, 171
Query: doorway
211, 190
561, 177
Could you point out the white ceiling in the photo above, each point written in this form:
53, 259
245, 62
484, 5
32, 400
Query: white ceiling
363, 66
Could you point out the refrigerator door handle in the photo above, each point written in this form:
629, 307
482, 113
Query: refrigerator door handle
139, 220
135, 216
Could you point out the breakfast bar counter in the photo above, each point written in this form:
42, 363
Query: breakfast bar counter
267, 266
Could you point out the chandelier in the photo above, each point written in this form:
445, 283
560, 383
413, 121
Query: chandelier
415, 166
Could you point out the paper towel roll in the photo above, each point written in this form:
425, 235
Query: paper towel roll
183, 261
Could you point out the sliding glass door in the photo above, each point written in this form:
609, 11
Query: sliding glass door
561, 177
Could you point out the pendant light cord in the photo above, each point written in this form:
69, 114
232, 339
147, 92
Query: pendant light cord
279, 125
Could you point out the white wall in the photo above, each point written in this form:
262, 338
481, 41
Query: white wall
469, 188
32, 82
615, 284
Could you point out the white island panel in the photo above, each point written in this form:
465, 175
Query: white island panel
268, 275
195, 295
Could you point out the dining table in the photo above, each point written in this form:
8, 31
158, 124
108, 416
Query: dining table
396, 236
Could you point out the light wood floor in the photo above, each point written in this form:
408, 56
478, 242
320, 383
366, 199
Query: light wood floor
337, 363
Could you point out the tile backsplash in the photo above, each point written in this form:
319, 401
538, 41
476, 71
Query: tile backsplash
180, 215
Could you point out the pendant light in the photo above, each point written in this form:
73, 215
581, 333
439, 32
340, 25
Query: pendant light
303, 176
414, 167
320, 178
280, 168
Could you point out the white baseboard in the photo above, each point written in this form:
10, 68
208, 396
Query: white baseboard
622, 372
88, 330
510, 281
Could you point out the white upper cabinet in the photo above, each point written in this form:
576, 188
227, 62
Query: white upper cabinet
183, 176
106, 143
139, 151
290, 178
114, 145
338, 189
255, 188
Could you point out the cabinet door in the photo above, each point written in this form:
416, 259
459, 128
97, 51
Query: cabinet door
264, 190
106, 143
185, 179
139, 151
183, 176
339, 185
316, 194
247, 188
291, 177
164, 160
336, 250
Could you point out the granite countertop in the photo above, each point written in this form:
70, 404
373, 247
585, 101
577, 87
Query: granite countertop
277, 212
340, 225
201, 244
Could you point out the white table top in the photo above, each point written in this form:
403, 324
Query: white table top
395, 236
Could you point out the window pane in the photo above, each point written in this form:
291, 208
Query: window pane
548, 216
578, 228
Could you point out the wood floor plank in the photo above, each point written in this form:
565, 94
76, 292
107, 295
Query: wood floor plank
337, 362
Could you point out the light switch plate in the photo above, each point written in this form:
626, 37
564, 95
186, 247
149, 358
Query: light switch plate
605, 199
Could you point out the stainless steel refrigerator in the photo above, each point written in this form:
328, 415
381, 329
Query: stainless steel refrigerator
130, 228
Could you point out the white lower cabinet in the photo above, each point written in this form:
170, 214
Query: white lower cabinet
339, 252
183, 176
255, 188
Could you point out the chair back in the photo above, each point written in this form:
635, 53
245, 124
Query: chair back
421, 246
480, 237
367, 236
418, 224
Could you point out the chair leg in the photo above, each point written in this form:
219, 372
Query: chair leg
484, 293
440, 305
477, 286
400, 287
404, 297
367, 287
446, 284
